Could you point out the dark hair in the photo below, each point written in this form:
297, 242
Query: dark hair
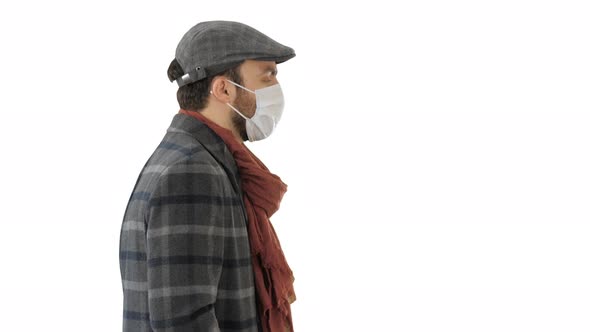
193, 96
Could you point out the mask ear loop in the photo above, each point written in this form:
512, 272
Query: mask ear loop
243, 87
236, 110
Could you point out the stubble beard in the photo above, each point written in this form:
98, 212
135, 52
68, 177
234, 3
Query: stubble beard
246, 106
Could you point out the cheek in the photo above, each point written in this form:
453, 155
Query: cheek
247, 104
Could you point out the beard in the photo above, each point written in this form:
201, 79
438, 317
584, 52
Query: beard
247, 106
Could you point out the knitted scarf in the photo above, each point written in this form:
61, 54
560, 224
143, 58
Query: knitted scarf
262, 193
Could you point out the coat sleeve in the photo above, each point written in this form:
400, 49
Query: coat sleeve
184, 254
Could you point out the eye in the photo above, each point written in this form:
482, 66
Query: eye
270, 74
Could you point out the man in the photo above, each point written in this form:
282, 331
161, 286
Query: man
197, 250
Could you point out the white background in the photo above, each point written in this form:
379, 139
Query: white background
437, 156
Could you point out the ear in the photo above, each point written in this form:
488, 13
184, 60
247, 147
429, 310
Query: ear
221, 90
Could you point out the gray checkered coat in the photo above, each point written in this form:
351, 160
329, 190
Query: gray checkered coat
184, 250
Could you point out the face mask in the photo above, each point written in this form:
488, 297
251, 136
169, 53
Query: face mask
269, 108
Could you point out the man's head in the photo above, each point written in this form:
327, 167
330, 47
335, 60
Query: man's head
212, 56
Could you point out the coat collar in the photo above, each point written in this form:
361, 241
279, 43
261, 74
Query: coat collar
182, 123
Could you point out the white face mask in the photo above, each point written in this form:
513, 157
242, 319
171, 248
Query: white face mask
269, 108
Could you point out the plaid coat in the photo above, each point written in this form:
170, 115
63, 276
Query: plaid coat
184, 250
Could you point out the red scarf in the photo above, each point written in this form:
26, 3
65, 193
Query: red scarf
262, 193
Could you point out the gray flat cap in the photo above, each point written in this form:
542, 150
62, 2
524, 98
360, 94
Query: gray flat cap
210, 48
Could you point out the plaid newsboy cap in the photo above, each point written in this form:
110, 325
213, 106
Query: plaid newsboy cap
209, 48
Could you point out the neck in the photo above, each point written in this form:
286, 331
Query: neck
223, 118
